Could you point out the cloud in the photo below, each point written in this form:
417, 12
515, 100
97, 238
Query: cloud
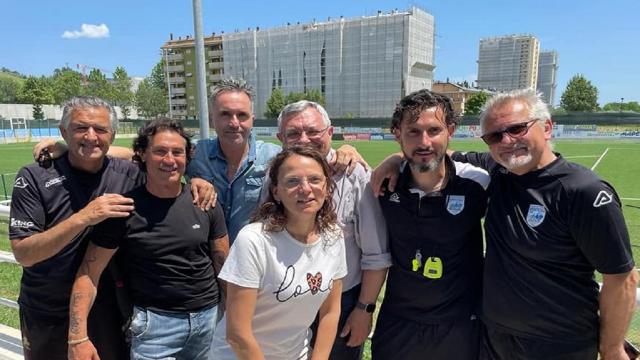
88, 31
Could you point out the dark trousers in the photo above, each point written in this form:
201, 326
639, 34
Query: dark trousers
399, 338
45, 337
340, 350
498, 345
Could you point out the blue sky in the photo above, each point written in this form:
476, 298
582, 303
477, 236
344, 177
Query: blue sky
599, 39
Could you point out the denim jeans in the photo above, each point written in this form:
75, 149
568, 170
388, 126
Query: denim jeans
160, 335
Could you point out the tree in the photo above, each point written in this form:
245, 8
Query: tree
293, 97
123, 96
66, 84
157, 77
150, 100
579, 95
621, 106
274, 104
474, 104
316, 96
99, 86
36, 91
9, 88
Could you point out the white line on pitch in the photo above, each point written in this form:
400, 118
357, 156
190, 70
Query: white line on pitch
580, 156
623, 148
630, 199
599, 159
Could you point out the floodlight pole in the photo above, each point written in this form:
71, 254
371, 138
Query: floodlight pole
201, 80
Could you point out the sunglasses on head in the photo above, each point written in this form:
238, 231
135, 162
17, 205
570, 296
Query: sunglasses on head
515, 130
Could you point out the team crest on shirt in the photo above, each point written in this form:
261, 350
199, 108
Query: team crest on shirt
536, 214
455, 204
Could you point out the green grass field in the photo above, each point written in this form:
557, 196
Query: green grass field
618, 162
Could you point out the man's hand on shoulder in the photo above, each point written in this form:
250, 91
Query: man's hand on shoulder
389, 168
55, 148
104, 207
346, 159
204, 194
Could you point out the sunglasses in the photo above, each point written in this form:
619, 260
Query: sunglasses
514, 131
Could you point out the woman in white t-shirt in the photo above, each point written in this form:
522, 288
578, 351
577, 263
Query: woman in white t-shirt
285, 268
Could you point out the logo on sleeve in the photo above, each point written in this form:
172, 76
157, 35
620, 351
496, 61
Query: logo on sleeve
536, 214
22, 224
455, 204
195, 226
603, 198
394, 198
20, 183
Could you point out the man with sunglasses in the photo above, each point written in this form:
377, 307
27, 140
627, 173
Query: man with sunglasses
549, 225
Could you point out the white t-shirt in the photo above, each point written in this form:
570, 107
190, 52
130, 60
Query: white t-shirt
293, 280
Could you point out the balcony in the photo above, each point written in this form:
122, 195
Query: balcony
215, 77
175, 68
177, 90
175, 57
179, 101
216, 65
213, 53
176, 80
179, 112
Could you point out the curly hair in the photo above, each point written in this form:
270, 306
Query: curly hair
416, 102
272, 213
150, 129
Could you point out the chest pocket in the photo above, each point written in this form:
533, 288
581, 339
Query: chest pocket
253, 187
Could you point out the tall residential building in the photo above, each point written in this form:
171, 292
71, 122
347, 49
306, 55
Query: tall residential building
547, 72
508, 62
180, 71
363, 66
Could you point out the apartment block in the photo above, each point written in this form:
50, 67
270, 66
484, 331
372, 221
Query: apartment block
547, 73
363, 66
508, 62
180, 71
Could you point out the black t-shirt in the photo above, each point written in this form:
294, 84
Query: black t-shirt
41, 199
443, 225
165, 249
547, 231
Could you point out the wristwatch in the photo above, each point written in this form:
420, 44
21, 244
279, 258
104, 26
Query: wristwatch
370, 308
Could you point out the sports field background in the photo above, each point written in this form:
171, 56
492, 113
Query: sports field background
616, 161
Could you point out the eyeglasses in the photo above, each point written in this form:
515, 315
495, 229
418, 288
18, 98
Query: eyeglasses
311, 133
514, 131
312, 181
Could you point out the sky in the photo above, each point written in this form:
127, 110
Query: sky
596, 38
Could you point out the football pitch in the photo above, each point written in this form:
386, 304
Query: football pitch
615, 161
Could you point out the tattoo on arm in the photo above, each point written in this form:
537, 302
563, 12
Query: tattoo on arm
74, 320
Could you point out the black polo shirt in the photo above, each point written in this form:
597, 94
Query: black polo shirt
41, 199
547, 231
444, 228
164, 246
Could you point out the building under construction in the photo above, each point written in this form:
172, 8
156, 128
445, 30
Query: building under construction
362, 66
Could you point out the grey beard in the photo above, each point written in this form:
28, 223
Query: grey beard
424, 167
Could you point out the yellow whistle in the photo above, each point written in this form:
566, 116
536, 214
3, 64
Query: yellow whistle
433, 268
416, 263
